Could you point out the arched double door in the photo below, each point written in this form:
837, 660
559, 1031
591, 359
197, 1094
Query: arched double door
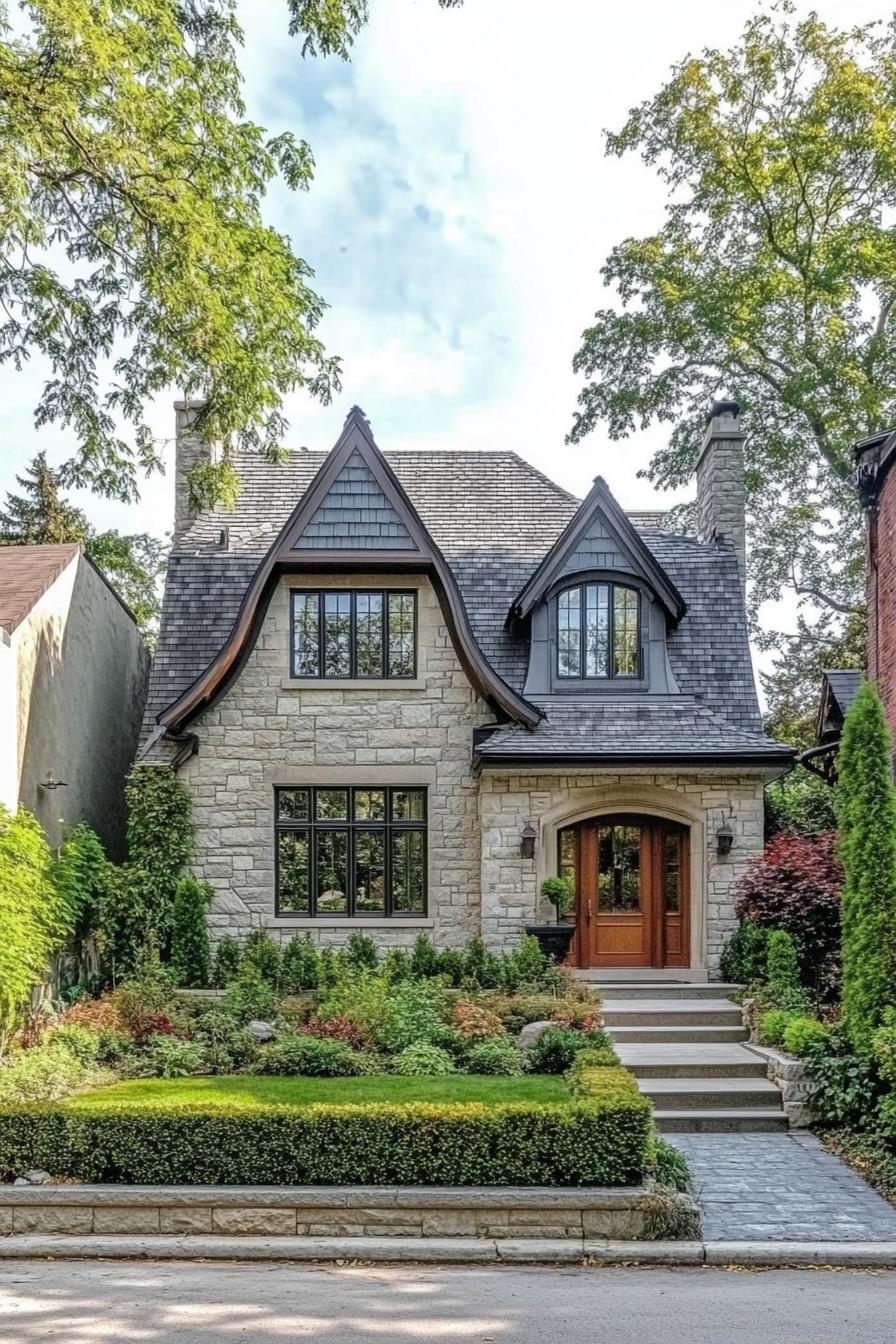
632, 882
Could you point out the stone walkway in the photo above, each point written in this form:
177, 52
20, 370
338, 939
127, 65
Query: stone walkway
781, 1187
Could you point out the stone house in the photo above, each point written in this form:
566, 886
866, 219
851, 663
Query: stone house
405, 688
73, 677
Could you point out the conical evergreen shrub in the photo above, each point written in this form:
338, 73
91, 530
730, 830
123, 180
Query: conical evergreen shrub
190, 957
866, 812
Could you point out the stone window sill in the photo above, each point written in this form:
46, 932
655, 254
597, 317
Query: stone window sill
397, 684
277, 922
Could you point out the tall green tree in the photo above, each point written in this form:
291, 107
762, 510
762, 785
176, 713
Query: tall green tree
132, 564
772, 279
866, 813
133, 248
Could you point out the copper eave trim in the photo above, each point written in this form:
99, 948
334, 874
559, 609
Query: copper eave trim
283, 558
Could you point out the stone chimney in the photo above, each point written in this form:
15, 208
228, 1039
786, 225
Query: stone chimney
721, 490
190, 451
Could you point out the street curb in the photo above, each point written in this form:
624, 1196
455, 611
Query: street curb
456, 1251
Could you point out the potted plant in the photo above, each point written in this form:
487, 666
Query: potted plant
554, 939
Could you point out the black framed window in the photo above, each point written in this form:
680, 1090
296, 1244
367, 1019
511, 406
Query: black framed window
598, 631
350, 851
339, 632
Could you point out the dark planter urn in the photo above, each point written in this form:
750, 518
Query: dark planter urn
553, 939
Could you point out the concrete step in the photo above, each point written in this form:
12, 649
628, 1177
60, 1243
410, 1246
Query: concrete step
663, 1034
704, 1060
633, 1012
745, 1120
706, 1094
663, 989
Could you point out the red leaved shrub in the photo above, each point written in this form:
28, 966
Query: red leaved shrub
795, 885
337, 1029
144, 1025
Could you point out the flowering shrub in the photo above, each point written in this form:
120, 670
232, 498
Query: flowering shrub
473, 1022
579, 1016
100, 1014
795, 885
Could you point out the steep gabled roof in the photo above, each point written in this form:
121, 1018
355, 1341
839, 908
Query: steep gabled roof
599, 505
329, 527
26, 572
839, 687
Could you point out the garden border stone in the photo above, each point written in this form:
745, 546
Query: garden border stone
428, 1213
791, 1076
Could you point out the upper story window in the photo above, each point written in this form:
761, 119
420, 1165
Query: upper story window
338, 632
598, 631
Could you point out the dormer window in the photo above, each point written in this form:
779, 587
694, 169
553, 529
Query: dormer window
598, 632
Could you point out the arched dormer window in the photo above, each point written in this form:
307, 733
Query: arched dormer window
598, 632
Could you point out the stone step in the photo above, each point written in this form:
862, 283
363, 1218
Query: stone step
664, 1034
630, 1012
746, 1120
705, 1094
704, 1060
663, 989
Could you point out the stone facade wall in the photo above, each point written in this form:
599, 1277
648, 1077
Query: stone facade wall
721, 488
265, 731
703, 799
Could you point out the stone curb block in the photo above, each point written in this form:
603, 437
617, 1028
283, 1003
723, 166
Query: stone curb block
341, 1197
454, 1250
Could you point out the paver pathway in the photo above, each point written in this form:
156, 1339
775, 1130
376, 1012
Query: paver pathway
781, 1187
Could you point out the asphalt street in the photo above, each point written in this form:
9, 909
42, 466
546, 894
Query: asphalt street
82, 1302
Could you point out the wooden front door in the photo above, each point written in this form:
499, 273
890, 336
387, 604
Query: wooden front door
632, 882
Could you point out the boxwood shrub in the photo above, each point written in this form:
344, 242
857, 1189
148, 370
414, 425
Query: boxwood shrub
600, 1141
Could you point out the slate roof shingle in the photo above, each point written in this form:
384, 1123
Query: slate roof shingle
494, 517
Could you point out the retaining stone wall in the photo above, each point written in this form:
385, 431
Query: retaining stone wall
336, 1211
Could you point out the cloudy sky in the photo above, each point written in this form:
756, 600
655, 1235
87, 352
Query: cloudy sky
460, 213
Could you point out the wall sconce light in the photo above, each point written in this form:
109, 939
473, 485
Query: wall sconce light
527, 841
51, 783
724, 840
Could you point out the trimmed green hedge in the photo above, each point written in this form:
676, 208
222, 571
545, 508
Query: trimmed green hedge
601, 1141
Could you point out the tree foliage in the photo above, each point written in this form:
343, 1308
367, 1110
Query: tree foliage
41, 515
772, 280
133, 248
866, 808
35, 914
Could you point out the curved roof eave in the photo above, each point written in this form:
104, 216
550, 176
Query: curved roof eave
283, 558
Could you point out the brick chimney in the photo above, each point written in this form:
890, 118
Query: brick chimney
721, 490
190, 451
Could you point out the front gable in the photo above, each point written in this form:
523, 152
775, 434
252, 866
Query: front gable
355, 514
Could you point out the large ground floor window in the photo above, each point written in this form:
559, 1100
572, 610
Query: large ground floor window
351, 851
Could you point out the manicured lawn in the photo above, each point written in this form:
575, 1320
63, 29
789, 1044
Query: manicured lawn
243, 1091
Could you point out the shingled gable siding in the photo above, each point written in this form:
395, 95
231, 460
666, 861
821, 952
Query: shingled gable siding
261, 733
509, 800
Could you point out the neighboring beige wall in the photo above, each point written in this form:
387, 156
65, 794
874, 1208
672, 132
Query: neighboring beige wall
702, 799
263, 732
81, 670
9, 725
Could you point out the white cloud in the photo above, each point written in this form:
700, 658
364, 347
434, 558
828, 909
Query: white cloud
461, 211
